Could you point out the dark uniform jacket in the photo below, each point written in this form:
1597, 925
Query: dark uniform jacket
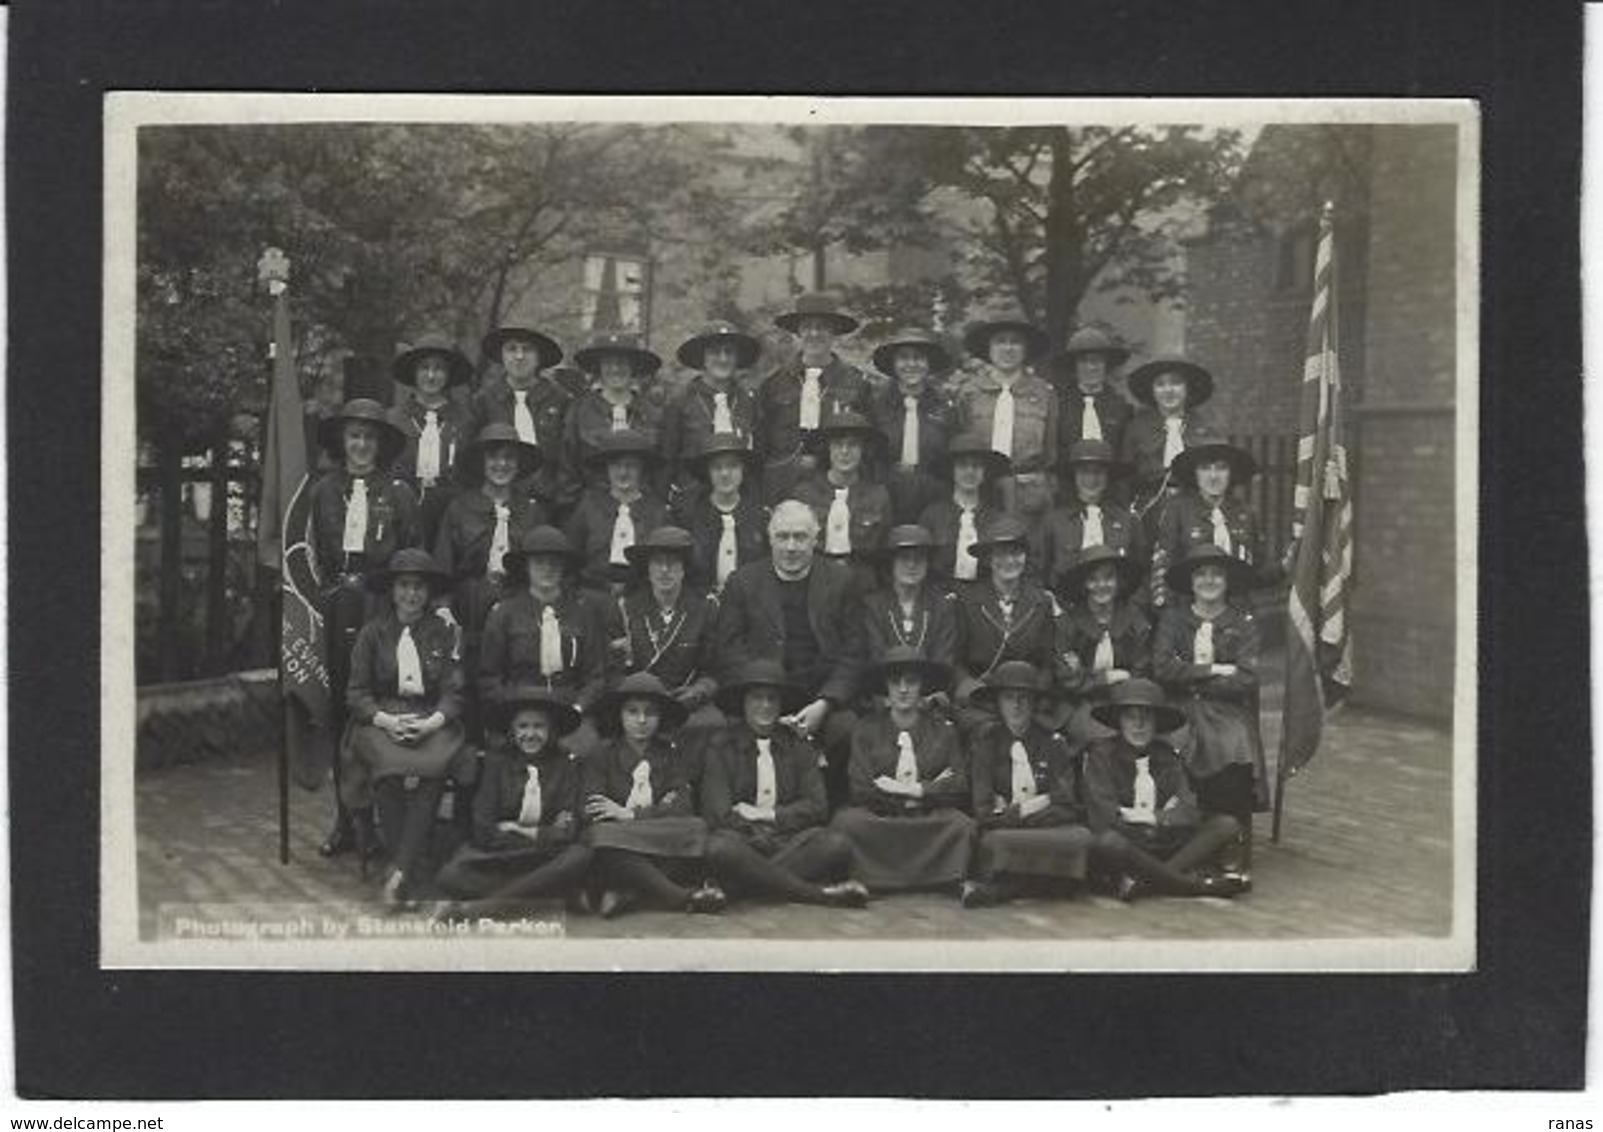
1035, 419
1108, 782
990, 636
696, 513
1051, 765
609, 771
875, 752
1235, 641
463, 548
1065, 531
590, 418
931, 627
554, 482
1112, 410
1144, 440
456, 430
868, 503
589, 529
687, 424
1129, 631
751, 624
1188, 522
392, 523
942, 520
730, 776
375, 678
510, 653
680, 650
499, 798
913, 489
779, 433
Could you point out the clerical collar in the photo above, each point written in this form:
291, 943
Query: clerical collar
800, 577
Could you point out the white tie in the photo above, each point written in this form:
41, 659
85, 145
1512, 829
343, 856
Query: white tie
721, 421
620, 417
906, 761
910, 432
1103, 660
1091, 534
1221, 531
1146, 790
1002, 423
1023, 776
728, 557
355, 538
408, 665
529, 814
640, 791
767, 789
550, 643
1090, 422
812, 399
838, 525
623, 536
428, 448
499, 540
522, 419
1174, 441
1202, 647
967, 567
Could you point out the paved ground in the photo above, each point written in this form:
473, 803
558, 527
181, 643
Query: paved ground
1366, 852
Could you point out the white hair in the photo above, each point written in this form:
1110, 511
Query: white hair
792, 510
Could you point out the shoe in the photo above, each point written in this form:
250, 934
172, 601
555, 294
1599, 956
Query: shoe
1240, 878
394, 893
614, 903
846, 894
978, 894
1224, 884
341, 838
1132, 889
707, 900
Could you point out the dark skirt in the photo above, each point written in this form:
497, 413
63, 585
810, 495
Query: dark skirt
1223, 733
1055, 851
473, 872
1235, 790
1161, 841
682, 837
369, 755
916, 851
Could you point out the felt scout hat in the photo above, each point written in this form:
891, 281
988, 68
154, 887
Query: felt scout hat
1138, 692
849, 423
693, 352
641, 360
906, 658
760, 673
639, 686
725, 444
1004, 530
1092, 452
1242, 466
541, 541
1199, 382
624, 442
1018, 675
458, 368
941, 360
817, 306
391, 436
470, 458
1239, 576
564, 716
550, 352
409, 560
662, 540
997, 464
907, 536
977, 338
1091, 340
1086, 561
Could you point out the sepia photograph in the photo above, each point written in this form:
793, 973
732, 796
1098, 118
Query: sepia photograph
858, 534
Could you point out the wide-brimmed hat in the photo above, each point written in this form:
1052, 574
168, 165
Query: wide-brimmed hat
391, 436
817, 306
409, 560
458, 369
470, 458
1239, 576
977, 338
661, 540
941, 360
641, 360
693, 352
997, 464
1091, 340
1129, 571
1086, 452
907, 536
1199, 382
624, 442
1018, 675
564, 716
639, 686
760, 673
1242, 466
550, 352
725, 444
1138, 692
545, 540
849, 423
906, 658
1001, 531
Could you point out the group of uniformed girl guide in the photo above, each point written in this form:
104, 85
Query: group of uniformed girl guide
1038, 657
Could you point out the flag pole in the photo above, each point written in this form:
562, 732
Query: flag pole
273, 271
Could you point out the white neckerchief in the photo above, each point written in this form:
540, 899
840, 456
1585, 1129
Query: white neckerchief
1174, 440
966, 568
721, 420
1091, 531
838, 525
529, 813
550, 642
909, 431
640, 795
428, 448
1023, 775
354, 540
500, 540
812, 396
1002, 422
408, 665
1146, 789
1202, 647
767, 786
1104, 653
623, 536
1090, 422
728, 551
906, 761
1221, 530
522, 418
620, 417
